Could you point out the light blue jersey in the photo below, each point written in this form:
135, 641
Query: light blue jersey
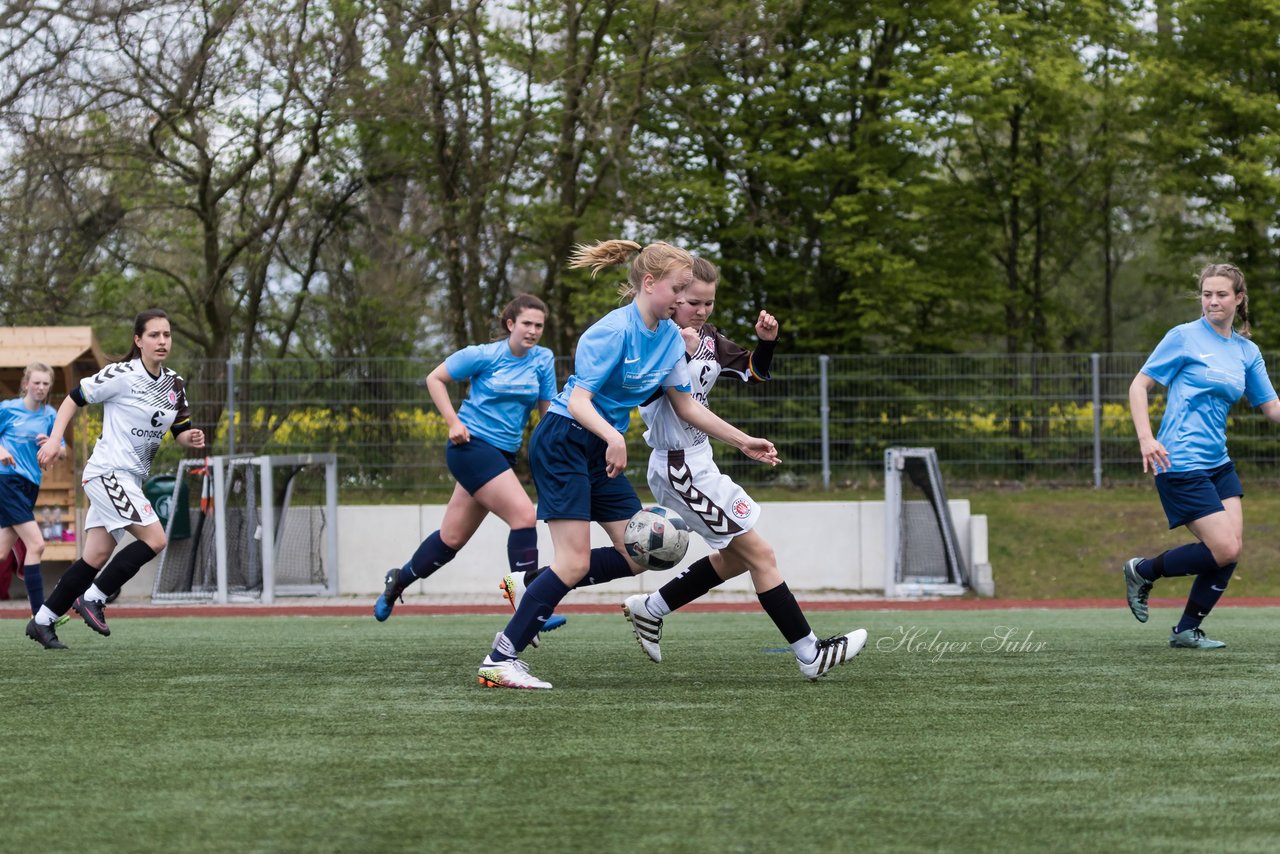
19, 427
621, 362
504, 389
1204, 374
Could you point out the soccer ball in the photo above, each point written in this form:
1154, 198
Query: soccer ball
656, 537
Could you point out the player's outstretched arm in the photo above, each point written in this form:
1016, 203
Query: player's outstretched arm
699, 416
1271, 409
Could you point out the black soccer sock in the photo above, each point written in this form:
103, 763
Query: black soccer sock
73, 582
1151, 568
1206, 590
34, 581
522, 549
784, 610
607, 564
123, 566
1191, 559
432, 554
695, 581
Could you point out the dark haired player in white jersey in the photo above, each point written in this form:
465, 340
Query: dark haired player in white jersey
141, 401
684, 477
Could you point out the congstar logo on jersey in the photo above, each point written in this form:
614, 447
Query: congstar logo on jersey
147, 434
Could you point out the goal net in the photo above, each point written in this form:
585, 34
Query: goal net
922, 550
259, 527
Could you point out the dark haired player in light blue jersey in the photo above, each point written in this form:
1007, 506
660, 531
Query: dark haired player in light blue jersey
509, 378
578, 451
25, 423
1207, 366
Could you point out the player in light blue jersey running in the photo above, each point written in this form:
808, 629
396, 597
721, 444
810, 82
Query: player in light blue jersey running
25, 423
509, 378
1206, 366
578, 452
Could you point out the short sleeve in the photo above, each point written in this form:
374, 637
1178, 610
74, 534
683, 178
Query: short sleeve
111, 381
1257, 385
466, 363
596, 357
678, 377
1167, 359
547, 376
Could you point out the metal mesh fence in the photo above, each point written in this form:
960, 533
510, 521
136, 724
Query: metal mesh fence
990, 417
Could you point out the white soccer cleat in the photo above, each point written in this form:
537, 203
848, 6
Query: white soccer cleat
646, 627
832, 652
508, 674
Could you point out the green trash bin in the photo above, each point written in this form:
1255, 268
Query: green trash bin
159, 491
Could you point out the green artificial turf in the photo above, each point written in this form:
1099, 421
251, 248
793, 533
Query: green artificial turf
1079, 730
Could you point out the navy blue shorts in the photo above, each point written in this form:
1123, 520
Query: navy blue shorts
17, 500
568, 467
1190, 495
475, 463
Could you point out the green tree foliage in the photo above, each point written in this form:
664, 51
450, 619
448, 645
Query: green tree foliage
1215, 83
377, 177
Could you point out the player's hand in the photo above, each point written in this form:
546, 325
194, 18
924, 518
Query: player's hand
691, 340
459, 434
6, 458
45, 454
1154, 456
760, 450
615, 456
195, 437
767, 327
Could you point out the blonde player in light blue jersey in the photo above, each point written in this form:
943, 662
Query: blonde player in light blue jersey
578, 454
684, 477
1206, 366
25, 423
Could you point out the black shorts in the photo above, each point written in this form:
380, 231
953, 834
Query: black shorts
475, 463
1190, 495
17, 500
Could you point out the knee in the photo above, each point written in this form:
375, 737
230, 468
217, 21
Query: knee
156, 542
1227, 552
35, 550
526, 517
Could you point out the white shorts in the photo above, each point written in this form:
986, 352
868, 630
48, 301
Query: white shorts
116, 502
688, 482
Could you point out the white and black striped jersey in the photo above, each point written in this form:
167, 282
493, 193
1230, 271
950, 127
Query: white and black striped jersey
715, 355
138, 409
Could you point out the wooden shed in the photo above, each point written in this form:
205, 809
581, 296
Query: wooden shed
73, 353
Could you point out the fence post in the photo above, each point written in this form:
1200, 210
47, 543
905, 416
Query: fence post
1095, 361
231, 406
825, 410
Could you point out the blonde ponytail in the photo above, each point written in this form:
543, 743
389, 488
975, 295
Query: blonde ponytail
656, 259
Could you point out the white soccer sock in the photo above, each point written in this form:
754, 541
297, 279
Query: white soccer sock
806, 649
44, 616
93, 594
656, 605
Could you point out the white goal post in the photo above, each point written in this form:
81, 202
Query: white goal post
252, 540
922, 551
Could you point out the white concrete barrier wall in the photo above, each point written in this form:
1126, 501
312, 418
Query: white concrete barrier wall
821, 546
